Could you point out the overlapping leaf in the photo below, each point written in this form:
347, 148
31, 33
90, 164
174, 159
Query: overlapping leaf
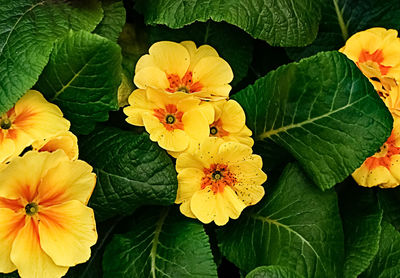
113, 21
323, 111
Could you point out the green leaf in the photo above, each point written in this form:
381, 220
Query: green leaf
362, 218
296, 225
279, 22
272, 271
28, 29
389, 201
82, 78
113, 21
131, 171
343, 18
9, 275
323, 111
235, 46
386, 262
161, 243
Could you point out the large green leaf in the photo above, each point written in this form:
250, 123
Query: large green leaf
389, 201
295, 226
279, 22
323, 111
362, 227
82, 78
386, 262
272, 271
113, 21
343, 18
28, 29
235, 46
161, 243
131, 171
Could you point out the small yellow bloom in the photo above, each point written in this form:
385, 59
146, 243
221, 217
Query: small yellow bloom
392, 101
172, 120
376, 52
182, 67
383, 168
32, 118
65, 141
218, 180
45, 225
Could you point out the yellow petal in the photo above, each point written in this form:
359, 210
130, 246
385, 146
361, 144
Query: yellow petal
29, 258
196, 125
184, 208
212, 71
248, 172
231, 152
228, 206
176, 140
189, 160
189, 181
69, 227
144, 62
377, 176
151, 77
209, 150
196, 54
203, 205
138, 105
65, 141
232, 116
249, 194
7, 150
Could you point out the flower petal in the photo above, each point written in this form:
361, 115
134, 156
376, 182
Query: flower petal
151, 77
196, 124
212, 71
189, 181
196, 54
189, 160
228, 206
65, 141
138, 105
204, 205
232, 116
69, 227
231, 152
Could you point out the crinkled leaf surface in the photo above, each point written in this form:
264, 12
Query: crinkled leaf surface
272, 271
82, 78
28, 29
279, 22
386, 262
161, 243
323, 111
113, 21
296, 225
131, 171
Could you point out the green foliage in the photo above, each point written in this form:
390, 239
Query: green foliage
296, 226
82, 78
113, 21
272, 271
131, 171
161, 243
389, 201
28, 29
279, 22
323, 111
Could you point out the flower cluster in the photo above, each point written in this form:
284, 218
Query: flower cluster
45, 225
182, 101
376, 52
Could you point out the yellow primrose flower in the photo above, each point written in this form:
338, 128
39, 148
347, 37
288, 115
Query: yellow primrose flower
65, 141
172, 120
383, 168
392, 101
32, 118
218, 180
182, 67
45, 225
376, 53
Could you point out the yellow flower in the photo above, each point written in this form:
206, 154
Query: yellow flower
376, 53
392, 101
218, 180
181, 67
32, 118
172, 120
383, 168
45, 225
65, 141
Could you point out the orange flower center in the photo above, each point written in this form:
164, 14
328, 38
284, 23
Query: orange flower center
217, 176
31, 209
216, 129
186, 85
170, 117
371, 64
383, 157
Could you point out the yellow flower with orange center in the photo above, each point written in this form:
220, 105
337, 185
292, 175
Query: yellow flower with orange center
182, 67
376, 52
172, 120
32, 118
218, 180
45, 225
65, 141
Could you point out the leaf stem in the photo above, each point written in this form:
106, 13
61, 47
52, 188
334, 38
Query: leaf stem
157, 232
343, 26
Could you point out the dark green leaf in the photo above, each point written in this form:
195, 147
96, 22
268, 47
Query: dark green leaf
279, 22
295, 226
161, 243
389, 201
232, 44
386, 263
10, 275
323, 111
272, 271
82, 78
113, 21
28, 29
131, 171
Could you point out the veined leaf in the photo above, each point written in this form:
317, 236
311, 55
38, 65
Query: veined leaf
82, 78
272, 271
279, 22
323, 111
113, 21
296, 226
131, 171
28, 29
161, 243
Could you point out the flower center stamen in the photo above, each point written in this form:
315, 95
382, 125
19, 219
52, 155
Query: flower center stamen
170, 119
213, 130
31, 209
216, 177
5, 123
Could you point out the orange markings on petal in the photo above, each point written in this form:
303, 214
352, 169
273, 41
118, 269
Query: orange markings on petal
216, 129
376, 57
170, 117
176, 84
13, 204
217, 176
383, 158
